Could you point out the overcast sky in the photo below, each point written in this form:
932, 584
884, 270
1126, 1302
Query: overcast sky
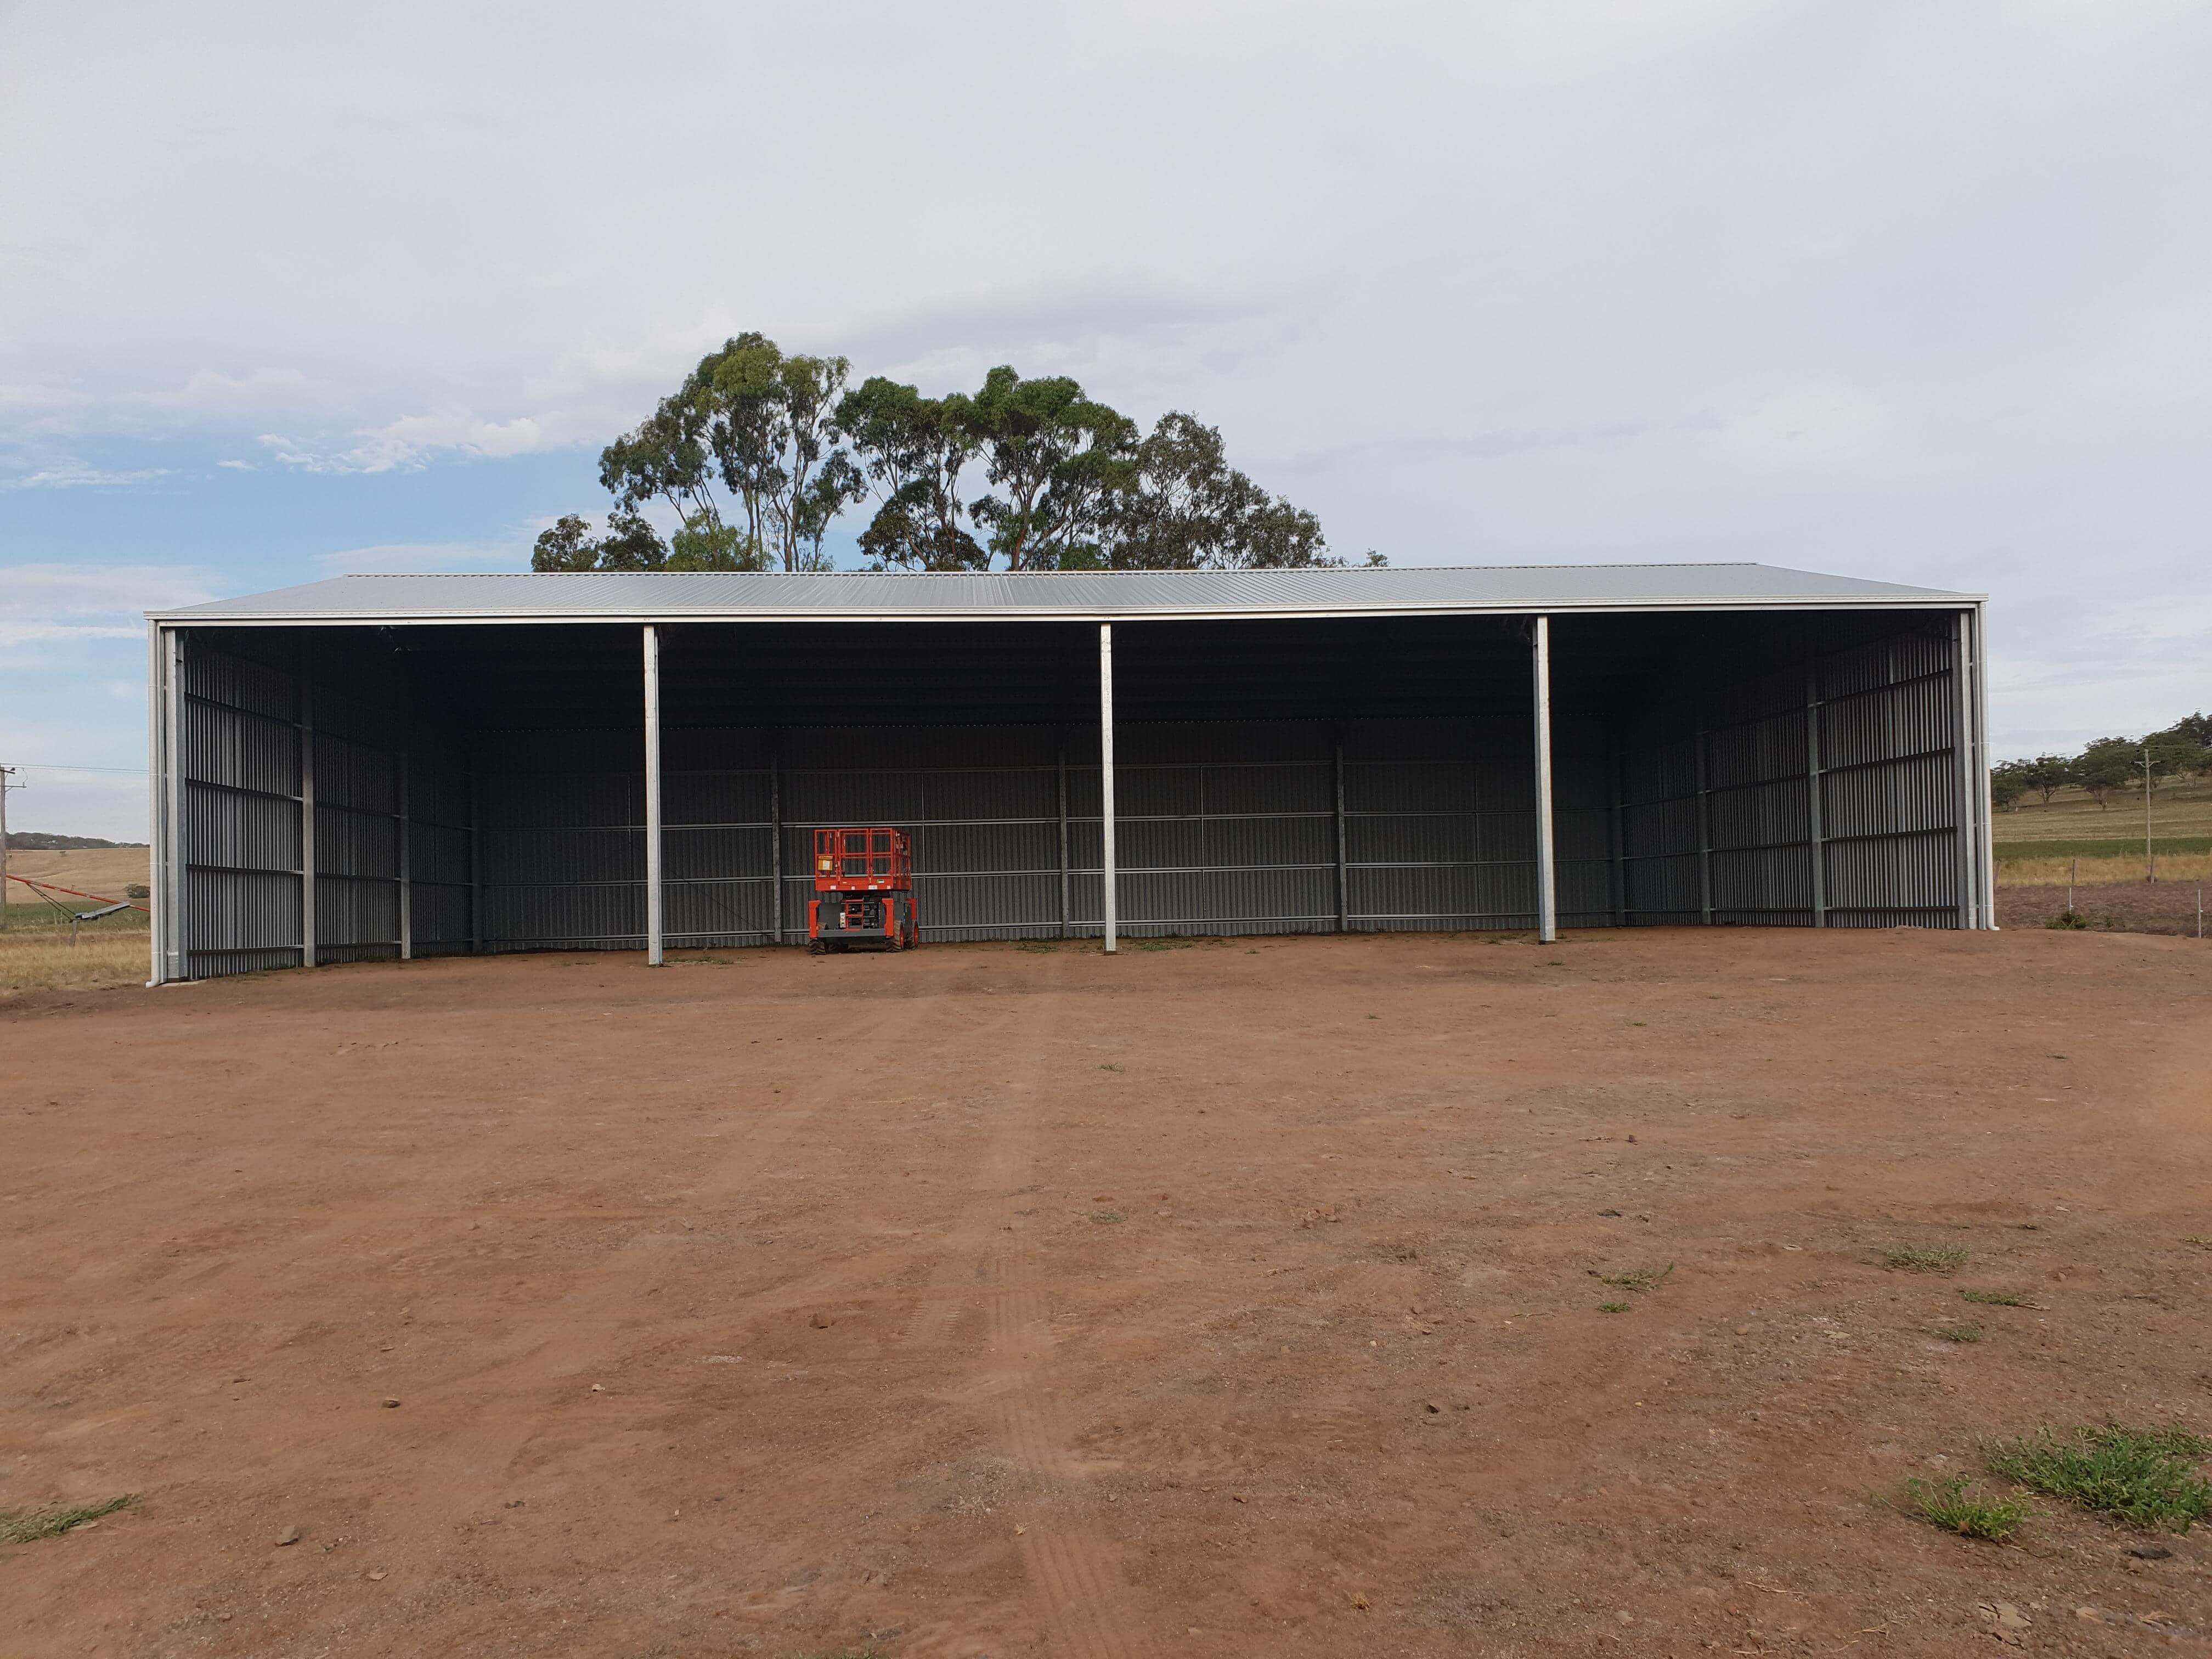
1914, 291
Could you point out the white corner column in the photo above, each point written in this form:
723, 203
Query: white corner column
653, 915
1986, 844
1547, 896
1106, 775
172, 790
407, 878
157, 801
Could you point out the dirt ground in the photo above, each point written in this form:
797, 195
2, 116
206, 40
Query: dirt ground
1232, 1299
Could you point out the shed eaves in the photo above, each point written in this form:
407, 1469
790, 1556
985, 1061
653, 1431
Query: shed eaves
1070, 595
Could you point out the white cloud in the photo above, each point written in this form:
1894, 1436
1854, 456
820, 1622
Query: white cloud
75, 474
509, 553
68, 604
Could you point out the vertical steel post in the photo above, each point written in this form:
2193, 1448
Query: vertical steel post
1704, 833
157, 791
1988, 848
306, 814
1547, 896
1616, 771
653, 941
1067, 915
406, 883
1106, 776
174, 789
1343, 900
476, 851
1962, 742
1816, 845
775, 828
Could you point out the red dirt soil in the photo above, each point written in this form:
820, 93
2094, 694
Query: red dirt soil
1235, 1298
2129, 907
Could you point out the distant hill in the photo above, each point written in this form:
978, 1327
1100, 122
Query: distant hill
37, 841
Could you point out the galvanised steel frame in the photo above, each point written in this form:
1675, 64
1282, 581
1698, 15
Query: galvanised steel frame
310, 809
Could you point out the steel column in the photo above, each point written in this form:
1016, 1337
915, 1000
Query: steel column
157, 795
476, 852
1066, 915
1547, 896
1106, 775
653, 954
775, 829
1343, 903
1616, 771
1986, 845
1705, 833
1962, 741
306, 814
406, 884
173, 789
1817, 846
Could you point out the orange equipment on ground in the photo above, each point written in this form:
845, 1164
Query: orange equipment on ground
863, 891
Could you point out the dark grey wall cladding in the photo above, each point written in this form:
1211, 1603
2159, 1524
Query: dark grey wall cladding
1219, 828
1700, 807
1719, 795
250, 733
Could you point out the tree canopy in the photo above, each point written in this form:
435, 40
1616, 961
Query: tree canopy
2110, 765
1070, 484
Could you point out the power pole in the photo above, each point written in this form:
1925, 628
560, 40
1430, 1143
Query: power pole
6, 772
2150, 864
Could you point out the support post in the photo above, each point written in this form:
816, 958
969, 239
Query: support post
653, 941
1705, 833
157, 789
1962, 743
476, 852
173, 792
1985, 845
775, 829
1616, 770
1106, 776
1817, 843
1547, 896
306, 814
1343, 898
1066, 909
406, 882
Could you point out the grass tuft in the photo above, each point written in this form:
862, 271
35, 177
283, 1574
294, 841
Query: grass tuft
1925, 1258
1108, 1215
1612, 1306
1960, 1332
2147, 1476
1997, 1298
1636, 1279
27, 1525
1955, 1509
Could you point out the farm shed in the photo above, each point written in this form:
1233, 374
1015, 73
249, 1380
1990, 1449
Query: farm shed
381, 767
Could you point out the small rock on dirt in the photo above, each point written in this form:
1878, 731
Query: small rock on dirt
822, 1322
376, 1575
2150, 1552
390, 1405
290, 1535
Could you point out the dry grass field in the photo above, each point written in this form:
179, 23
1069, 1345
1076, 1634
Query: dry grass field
1654, 1293
36, 951
2177, 811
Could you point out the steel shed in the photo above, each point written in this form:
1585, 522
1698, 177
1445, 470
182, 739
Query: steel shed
396, 766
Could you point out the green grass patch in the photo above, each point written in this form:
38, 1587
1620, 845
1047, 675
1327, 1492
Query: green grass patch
1612, 1306
1636, 1279
2101, 846
27, 1526
1951, 1506
1925, 1258
1996, 1299
1108, 1215
2147, 1476
1960, 1332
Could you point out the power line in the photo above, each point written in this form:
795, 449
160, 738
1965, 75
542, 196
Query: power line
57, 766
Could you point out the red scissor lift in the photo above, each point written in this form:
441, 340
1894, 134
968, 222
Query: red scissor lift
863, 891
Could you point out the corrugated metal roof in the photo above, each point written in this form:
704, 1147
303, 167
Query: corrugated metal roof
1075, 595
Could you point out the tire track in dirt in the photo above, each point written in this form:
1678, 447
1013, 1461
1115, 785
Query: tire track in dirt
579, 1331
1085, 1604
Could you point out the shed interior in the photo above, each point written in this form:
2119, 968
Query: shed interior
429, 789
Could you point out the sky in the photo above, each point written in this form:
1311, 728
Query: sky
1909, 291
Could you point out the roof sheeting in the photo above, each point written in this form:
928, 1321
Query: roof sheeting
1070, 595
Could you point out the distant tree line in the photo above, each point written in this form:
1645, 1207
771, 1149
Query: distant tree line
2110, 765
758, 453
